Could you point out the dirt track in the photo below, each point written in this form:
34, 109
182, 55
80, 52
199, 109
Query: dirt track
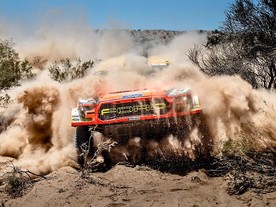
139, 186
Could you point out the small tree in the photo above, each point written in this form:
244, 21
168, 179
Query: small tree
67, 70
11, 67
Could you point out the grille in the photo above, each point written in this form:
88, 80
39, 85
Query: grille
155, 106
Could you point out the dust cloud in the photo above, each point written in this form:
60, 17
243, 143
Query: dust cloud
36, 130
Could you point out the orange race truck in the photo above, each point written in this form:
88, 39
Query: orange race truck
148, 114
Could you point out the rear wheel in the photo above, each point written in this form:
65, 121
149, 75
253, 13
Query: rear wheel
84, 143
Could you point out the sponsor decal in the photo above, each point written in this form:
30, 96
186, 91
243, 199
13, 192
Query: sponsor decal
133, 109
133, 118
136, 95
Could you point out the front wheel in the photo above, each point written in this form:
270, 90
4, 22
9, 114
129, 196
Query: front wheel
84, 143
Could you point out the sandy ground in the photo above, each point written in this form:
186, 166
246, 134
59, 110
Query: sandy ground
127, 186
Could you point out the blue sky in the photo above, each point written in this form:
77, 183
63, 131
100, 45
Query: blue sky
130, 14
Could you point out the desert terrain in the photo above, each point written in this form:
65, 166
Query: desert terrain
37, 143
132, 186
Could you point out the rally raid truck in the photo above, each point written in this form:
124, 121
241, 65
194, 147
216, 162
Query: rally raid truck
148, 114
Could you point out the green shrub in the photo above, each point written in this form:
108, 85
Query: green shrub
67, 70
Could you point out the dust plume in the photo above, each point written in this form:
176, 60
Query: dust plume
37, 131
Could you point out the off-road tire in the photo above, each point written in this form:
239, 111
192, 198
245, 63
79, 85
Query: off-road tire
82, 138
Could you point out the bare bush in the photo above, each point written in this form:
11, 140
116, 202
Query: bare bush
92, 163
245, 167
255, 171
245, 45
4, 99
18, 181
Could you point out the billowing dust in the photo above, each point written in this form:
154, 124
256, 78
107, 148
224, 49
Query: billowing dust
36, 129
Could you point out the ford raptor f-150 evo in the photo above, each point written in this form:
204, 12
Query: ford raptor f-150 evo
147, 114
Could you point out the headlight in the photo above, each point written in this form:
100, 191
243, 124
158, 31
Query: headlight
183, 103
196, 104
86, 106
